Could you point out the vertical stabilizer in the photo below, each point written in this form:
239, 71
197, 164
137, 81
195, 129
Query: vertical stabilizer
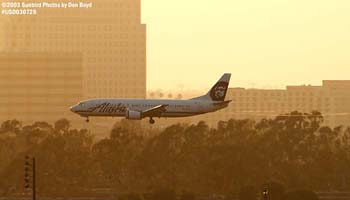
218, 91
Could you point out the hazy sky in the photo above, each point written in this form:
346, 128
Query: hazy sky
264, 44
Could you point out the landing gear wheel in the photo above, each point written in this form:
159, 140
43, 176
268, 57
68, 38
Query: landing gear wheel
151, 121
87, 119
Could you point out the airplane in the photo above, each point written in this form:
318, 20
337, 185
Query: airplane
137, 109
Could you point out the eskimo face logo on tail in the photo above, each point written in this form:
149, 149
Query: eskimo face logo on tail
218, 92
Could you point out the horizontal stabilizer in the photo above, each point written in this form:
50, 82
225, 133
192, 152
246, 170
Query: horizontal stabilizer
222, 103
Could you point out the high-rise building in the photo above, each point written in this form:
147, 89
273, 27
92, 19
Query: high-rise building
39, 86
109, 35
109, 38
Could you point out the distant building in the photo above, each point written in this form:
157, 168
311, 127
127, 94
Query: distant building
332, 99
39, 86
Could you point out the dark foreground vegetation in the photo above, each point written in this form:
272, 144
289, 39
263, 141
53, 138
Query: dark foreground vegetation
290, 155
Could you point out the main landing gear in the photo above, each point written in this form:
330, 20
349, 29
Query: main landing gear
151, 120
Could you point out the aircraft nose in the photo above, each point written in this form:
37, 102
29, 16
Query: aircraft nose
72, 108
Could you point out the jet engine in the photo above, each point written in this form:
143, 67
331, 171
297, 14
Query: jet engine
135, 115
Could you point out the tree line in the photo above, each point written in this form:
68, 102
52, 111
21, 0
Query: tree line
294, 150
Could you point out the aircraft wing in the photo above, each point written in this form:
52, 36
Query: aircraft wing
155, 111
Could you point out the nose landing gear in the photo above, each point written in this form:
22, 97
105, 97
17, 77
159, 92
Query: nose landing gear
151, 120
87, 119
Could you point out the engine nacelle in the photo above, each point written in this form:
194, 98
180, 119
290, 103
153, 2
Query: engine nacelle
135, 115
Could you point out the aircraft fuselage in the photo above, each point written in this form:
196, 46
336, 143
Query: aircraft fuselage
118, 107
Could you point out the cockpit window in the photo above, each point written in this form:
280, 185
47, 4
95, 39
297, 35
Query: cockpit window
81, 104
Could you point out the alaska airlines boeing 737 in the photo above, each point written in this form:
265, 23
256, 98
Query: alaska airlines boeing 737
137, 109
